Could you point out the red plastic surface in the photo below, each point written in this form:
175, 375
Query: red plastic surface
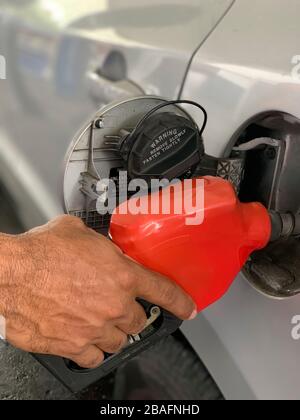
203, 259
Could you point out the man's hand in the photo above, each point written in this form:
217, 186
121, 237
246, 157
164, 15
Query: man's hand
66, 290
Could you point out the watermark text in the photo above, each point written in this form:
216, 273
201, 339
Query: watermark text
162, 197
296, 68
2, 67
296, 328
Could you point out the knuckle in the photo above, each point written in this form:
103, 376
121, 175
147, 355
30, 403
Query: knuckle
75, 347
65, 222
61, 219
70, 220
36, 345
50, 331
137, 324
89, 362
117, 311
75, 221
95, 361
44, 348
127, 278
118, 345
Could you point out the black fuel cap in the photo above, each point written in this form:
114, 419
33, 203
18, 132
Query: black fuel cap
166, 145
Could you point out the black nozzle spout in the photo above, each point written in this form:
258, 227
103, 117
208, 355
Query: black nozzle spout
284, 225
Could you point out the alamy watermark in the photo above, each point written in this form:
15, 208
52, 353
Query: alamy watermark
296, 68
296, 328
160, 197
2, 67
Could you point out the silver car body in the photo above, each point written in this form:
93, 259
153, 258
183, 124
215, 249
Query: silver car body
235, 58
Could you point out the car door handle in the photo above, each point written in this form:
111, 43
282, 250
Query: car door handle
105, 91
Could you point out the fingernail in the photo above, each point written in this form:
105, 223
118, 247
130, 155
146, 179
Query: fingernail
194, 315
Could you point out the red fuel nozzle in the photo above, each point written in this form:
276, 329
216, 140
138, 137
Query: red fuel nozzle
204, 258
